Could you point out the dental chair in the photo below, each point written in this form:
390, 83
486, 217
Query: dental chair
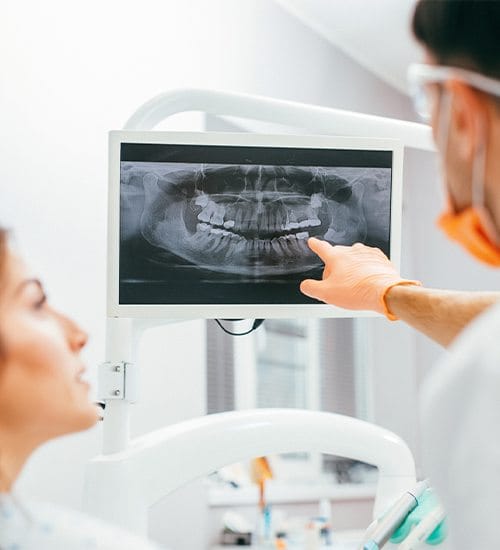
133, 474
121, 486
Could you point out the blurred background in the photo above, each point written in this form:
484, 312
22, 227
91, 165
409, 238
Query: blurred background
72, 71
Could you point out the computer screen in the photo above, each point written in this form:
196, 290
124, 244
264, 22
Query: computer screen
226, 222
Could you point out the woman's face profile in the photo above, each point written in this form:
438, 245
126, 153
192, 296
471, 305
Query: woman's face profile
42, 394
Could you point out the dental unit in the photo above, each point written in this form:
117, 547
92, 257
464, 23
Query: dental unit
211, 210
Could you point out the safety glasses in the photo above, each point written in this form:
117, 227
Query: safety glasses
422, 76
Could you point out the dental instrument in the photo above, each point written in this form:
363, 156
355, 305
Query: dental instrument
424, 529
380, 532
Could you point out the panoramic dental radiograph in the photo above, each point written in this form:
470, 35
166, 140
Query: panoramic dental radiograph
213, 223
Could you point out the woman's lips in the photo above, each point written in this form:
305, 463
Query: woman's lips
80, 377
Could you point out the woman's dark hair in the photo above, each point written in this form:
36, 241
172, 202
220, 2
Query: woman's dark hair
461, 33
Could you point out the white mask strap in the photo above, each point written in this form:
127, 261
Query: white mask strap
478, 174
442, 135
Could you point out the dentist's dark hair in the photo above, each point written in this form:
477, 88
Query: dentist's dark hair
461, 33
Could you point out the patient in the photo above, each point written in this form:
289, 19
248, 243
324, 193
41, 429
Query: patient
42, 396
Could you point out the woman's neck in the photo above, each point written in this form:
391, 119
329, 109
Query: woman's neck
15, 449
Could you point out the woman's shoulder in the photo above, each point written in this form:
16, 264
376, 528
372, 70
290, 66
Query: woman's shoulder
39, 525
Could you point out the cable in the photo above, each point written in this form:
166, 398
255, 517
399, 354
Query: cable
255, 326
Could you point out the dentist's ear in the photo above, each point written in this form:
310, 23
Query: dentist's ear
469, 123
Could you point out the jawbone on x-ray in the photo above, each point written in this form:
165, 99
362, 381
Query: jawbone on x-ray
252, 220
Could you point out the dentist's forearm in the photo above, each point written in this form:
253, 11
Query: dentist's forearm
439, 314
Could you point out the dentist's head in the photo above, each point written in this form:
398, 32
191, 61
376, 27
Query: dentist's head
42, 395
458, 91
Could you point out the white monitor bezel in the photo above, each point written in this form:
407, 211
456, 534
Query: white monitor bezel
232, 311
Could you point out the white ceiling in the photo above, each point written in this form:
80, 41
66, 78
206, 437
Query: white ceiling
375, 33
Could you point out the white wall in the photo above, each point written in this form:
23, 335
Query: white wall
71, 71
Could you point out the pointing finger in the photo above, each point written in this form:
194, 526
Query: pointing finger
322, 248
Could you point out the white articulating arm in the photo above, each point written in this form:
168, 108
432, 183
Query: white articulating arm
323, 120
120, 487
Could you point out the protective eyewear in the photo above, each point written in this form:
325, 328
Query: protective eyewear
420, 76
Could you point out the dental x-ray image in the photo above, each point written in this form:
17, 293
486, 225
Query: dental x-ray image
224, 233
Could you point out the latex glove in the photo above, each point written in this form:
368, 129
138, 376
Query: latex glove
355, 277
427, 502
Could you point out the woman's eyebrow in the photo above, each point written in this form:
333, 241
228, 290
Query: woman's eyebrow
28, 282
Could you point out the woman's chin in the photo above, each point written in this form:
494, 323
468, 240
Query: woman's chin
87, 417
94, 415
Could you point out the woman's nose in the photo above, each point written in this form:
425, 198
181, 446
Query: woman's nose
76, 336
80, 338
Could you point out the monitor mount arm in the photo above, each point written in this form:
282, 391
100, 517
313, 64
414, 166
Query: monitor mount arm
313, 118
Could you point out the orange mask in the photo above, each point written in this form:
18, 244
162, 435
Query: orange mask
472, 229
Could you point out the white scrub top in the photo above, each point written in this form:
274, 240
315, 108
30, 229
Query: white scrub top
460, 413
40, 526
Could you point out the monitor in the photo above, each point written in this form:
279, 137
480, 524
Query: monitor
215, 225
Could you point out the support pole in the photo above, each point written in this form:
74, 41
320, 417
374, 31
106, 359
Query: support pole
119, 348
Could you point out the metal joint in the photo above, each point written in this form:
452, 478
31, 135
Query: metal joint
116, 380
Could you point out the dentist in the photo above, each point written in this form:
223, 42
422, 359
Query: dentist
457, 89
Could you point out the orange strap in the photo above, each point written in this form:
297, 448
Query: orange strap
386, 310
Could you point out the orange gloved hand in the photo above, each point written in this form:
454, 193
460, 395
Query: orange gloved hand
355, 277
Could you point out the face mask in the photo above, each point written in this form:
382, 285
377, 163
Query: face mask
473, 227
468, 228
